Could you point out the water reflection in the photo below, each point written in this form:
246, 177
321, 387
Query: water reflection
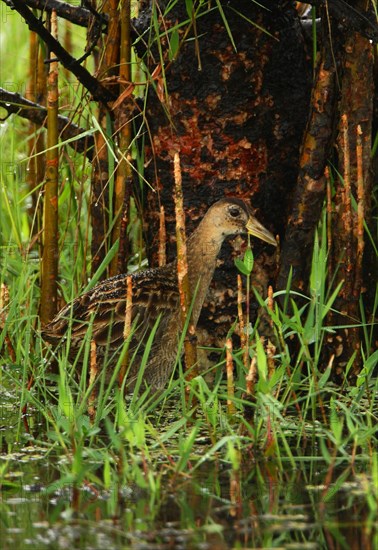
260, 506
307, 504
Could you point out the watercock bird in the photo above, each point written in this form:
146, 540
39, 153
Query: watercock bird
155, 298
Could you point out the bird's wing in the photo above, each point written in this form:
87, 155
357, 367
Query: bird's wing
154, 295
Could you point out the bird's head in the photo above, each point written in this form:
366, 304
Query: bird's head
233, 216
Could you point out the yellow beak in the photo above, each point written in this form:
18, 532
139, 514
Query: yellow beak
256, 229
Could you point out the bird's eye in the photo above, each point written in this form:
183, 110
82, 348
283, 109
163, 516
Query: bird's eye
234, 211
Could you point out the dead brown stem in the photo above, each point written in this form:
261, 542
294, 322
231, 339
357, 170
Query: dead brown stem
123, 122
270, 353
329, 215
182, 272
127, 327
242, 331
162, 257
360, 214
4, 302
93, 370
348, 217
230, 378
251, 377
50, 214
270, 303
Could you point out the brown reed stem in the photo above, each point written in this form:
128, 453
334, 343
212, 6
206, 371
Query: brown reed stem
329, 216
230, 378
242, 331
270, 303
50, 218
182, 273
235, 494
124, 125
127, 327
270, 353
4, 302
109, 58
251, 377
348, 219
67, 41
162, 257
360, 214
35, 166
93, 371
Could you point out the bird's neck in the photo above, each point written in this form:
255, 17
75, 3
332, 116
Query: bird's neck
203, 247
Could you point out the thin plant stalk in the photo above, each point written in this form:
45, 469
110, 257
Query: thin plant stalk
103, 158
329, 216
230, 378
162, 256
243, 336
270, 347
93, 371
251, 377
4, 303
50, 214
347, 195
127, 327
123, 174
270, 357
360, 214
182, 272
68, 45
236, 500
270, 304
36, 165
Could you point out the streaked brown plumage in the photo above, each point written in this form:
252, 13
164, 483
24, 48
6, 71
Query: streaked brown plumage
155, 292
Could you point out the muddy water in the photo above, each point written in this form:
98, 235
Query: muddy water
263, 505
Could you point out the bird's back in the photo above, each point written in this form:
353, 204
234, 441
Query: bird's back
103, 309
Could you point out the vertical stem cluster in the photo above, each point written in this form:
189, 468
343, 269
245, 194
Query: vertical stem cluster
50, 213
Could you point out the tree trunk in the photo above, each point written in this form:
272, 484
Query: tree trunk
352, 208
236, 114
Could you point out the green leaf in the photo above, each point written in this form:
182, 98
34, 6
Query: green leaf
189, 8
248, 259
241, 267
174, 44
262, 363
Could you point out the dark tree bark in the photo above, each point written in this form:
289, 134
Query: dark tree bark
237, 117
355, 183
310, 191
